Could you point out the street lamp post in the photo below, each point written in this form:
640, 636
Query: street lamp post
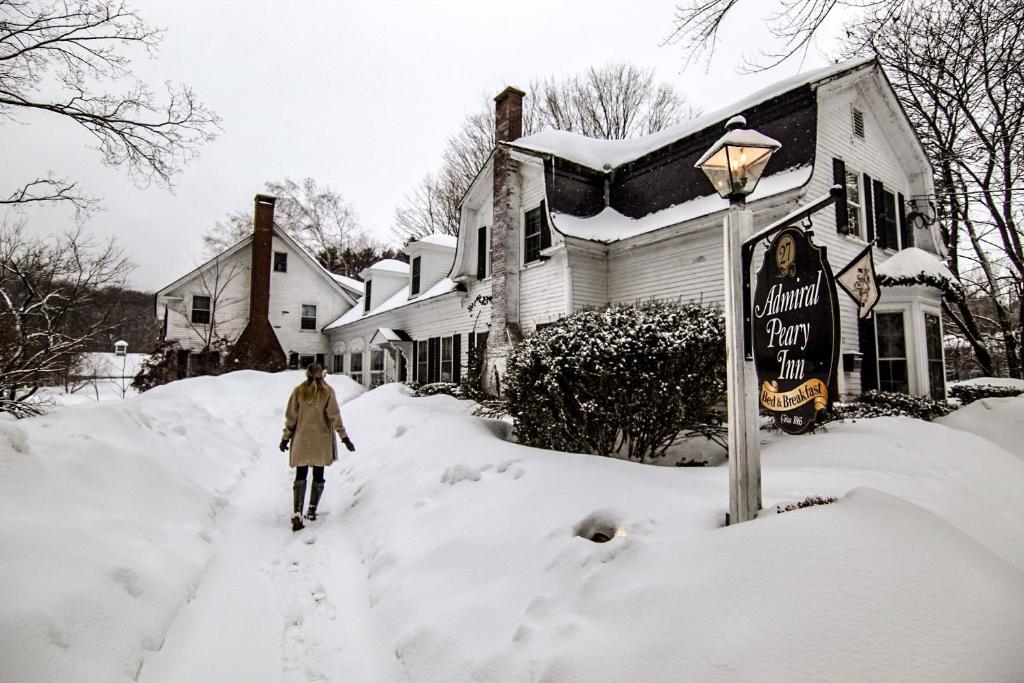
734, 165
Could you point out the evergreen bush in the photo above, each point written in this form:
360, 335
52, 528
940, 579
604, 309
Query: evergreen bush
888, 404
623, 380
969, 393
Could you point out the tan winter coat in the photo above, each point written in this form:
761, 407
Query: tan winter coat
311, 425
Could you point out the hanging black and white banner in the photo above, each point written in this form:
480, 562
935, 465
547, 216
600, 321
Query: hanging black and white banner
858, 279
795, 331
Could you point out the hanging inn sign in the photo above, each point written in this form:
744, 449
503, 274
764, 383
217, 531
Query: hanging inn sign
793, 322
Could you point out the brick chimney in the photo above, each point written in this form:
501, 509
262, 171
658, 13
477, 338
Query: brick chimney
508, 126
508, 115
258, 345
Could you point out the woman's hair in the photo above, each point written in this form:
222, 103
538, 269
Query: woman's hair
313, 388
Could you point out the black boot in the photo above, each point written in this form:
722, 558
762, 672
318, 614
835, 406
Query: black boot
314, 499
298, 496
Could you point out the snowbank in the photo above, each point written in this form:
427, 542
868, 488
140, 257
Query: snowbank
1000, 420
108, 514
448, 553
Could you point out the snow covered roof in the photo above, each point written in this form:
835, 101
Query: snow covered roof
389, 265
597, 154
390, 335
611, 226
438, 240
396, 300
913, 262
349, 283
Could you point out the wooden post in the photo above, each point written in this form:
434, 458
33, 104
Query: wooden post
741, 389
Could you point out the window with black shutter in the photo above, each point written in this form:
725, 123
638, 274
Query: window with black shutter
447, 360
293, 361
481, 253
869, 354
886, 220
905, 232
339, 363
415, 288
842, 210
536, 233
433, 359
457, 358
422, 360
366, 297
321, 360
869, 211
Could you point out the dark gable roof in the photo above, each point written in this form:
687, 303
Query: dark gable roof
665, 176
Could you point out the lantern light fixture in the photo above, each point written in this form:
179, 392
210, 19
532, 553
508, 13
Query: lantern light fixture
736, 161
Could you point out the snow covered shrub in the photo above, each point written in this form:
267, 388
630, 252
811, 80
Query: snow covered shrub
435, 388
886, 404
806, 503
969, 393
622, 380
160, 367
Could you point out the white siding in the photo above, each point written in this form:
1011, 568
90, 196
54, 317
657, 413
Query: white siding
589, 273
876, 155
301, 284
385, 285
686, 268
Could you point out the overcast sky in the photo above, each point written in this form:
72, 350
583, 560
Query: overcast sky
358, 95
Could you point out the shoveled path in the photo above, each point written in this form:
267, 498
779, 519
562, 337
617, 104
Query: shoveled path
278, 606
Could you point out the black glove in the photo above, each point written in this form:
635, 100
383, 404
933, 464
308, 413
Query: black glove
284, 445
348, 444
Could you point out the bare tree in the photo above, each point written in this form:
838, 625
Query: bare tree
212, 328
45, 288
612, 102
958, 68
54, 58
316, 216
698, 23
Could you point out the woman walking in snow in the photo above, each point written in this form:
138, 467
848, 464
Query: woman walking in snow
310, 422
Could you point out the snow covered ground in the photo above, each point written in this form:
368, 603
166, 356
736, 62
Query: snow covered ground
148, 540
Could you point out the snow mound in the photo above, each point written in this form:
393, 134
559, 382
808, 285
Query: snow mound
913, 263
1000, 420
446, 553
109, 519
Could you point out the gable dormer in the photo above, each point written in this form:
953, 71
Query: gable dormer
430, 261
383, 280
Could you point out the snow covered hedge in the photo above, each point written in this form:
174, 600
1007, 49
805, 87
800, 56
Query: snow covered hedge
889, 404
969, 393
621, 380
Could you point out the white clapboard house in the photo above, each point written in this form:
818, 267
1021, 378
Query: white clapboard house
557, 222
267, 277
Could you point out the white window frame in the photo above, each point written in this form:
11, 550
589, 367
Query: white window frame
913, 303
208, 309
356, 374
855, 210
540, 236
447, 366
274, 262
303, 318
907, 349
377, 373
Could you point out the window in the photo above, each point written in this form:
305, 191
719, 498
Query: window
447, 365
536, 233
355, 366
481, 253
376, 367
933, 345
853, 203
293, 361
887, 229
339, 363
201, 310
858, 123
306, 361
366, 297
308, 320
320, 360
280, 262
415, 288
422, 361
892, 353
